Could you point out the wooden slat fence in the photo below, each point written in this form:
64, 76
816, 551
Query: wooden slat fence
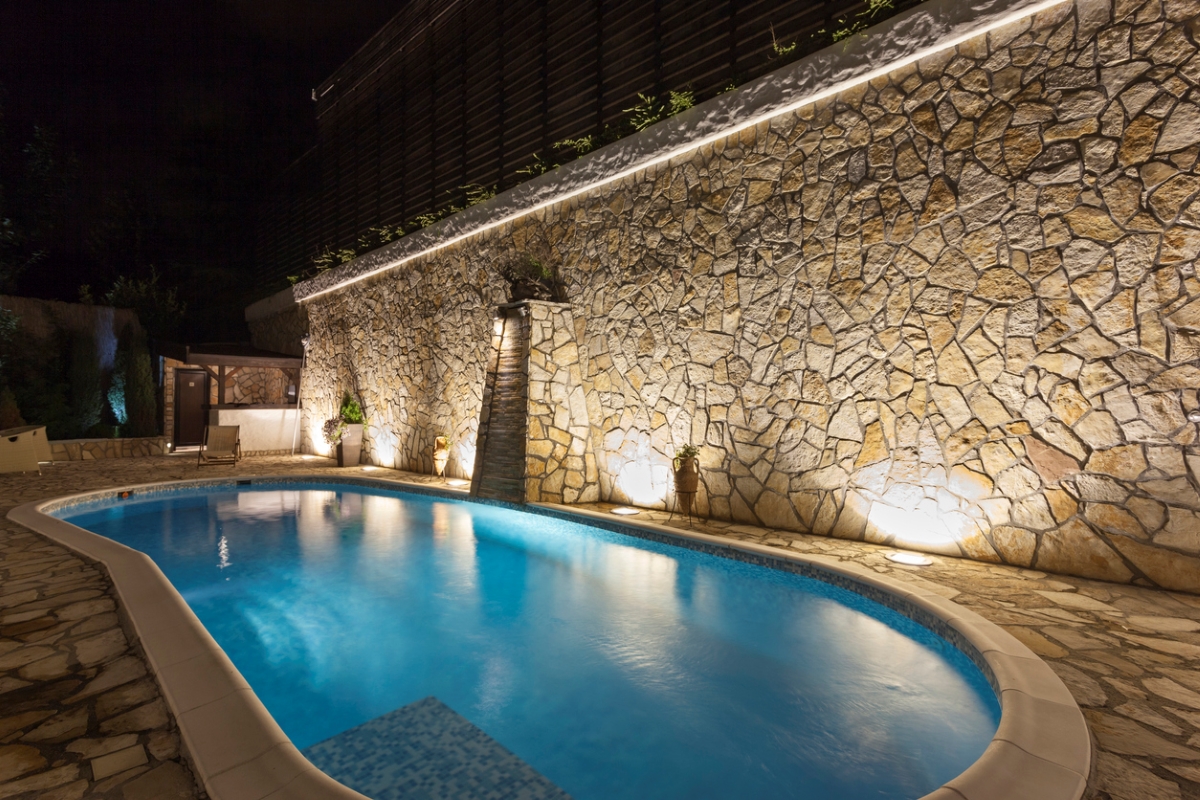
458, 92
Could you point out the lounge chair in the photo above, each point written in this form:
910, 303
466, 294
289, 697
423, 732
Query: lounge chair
41, 446
221, 445
18, 454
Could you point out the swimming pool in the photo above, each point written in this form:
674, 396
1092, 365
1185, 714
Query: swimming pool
614, 666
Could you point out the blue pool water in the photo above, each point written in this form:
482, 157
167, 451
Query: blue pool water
614, 666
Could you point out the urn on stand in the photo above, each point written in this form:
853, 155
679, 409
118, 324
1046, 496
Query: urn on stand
686, 467
441, 455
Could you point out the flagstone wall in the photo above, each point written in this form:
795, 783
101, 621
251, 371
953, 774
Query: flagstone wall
954, 309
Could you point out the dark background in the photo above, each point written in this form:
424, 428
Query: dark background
169, 118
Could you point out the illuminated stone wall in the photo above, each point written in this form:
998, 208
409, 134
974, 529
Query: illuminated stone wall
953, 309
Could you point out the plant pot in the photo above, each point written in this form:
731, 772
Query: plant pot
441, 455
527, 289
687, 475
350, 447
687, 482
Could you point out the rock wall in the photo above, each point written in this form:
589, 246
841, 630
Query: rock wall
560, 461
954, 308
91, 449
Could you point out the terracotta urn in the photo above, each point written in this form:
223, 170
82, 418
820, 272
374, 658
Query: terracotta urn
687, 481
441, 454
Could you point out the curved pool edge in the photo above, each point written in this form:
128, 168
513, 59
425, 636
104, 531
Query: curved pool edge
1041, 749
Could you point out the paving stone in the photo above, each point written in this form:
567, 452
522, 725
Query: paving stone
165, 782
144, 718
1124, 780
118, 761
17, 760
1127, 737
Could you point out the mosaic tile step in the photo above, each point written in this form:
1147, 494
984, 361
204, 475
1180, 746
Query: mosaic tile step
427, 751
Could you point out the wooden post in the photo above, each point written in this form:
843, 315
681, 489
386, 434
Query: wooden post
221, 385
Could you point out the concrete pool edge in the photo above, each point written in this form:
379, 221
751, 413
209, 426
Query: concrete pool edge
1042, 748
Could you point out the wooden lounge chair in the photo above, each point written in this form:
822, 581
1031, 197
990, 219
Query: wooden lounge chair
18, 454
37, 433
221, 445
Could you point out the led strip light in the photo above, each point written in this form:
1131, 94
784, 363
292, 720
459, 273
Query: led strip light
807, 99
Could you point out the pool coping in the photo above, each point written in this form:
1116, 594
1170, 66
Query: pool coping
1042, 749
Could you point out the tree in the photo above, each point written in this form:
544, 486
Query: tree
159, 309
141, 406
10, 412
116, 383
86, 398
34, 181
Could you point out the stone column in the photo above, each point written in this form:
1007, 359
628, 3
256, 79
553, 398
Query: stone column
534, 437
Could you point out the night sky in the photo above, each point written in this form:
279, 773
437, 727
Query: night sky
177, 114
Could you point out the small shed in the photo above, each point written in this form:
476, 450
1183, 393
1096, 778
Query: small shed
231, 384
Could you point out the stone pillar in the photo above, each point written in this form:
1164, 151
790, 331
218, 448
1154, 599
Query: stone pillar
534, 437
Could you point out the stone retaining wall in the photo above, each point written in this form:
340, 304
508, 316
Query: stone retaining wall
954, 308
89, 449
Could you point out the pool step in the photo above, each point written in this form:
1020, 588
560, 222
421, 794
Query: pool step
427, 751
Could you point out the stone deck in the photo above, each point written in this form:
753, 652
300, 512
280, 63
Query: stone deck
80, 717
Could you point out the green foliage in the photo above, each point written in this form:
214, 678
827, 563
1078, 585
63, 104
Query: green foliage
540, 166
328, 259
351, 412
86, 400
159, 309
141, 405
381, 235
35, 372
430, 218
860, 21
377, 237
679, 101
781, 50
581, 146
116, 383
651, 110
647, 112
687, 451
476, 194
34, 181
530, 279
120, 231
8, 332
10, 412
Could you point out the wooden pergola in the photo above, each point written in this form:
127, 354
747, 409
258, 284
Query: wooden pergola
222, 361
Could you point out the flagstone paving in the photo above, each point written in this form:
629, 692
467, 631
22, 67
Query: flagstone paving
80, 716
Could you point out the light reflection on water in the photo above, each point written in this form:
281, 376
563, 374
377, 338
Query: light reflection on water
616, 667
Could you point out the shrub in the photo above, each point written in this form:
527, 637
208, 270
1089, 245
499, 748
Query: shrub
530, 279
83, 376
141, 406
116, 385
10, 414
350, 412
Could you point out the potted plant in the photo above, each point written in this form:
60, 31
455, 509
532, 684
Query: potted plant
687, 476
530, 279
345, 431
441, 454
